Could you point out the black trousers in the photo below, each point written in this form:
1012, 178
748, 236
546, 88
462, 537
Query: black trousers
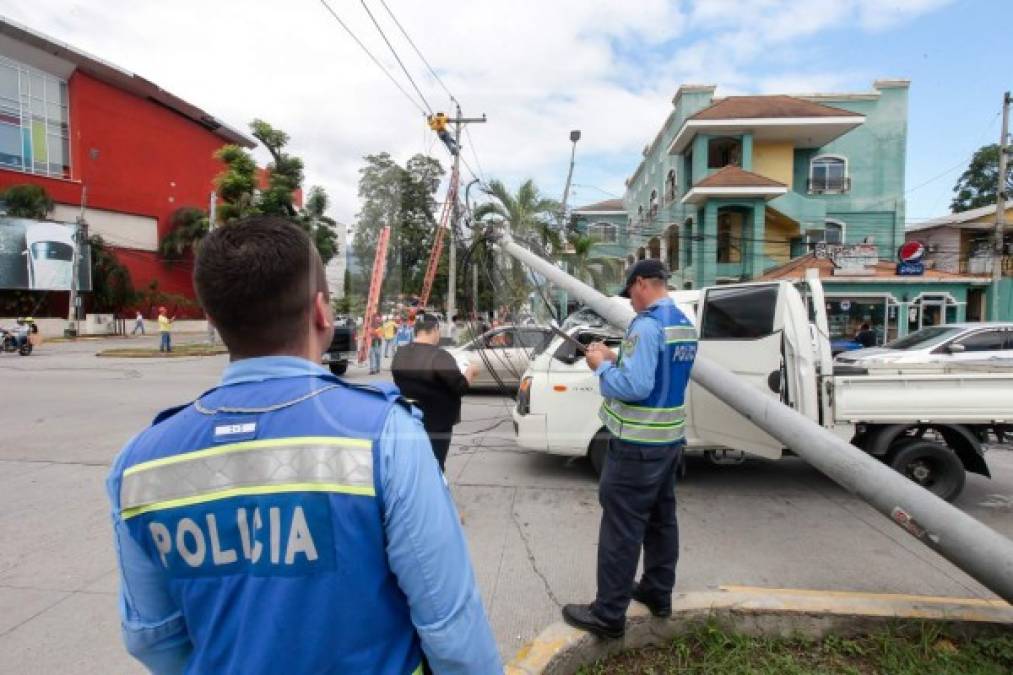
637, 497
440, 440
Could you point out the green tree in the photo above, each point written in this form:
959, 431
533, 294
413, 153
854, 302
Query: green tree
236, 185
187, 227
112, 289
593, 269
314, 219
284, 172
27, 201
977, 185
404, 199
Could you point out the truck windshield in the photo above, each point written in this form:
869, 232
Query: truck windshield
585, 316
924, 338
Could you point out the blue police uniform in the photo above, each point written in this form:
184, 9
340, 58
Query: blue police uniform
270, 527
644, 411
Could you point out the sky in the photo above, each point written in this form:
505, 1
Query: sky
538, 69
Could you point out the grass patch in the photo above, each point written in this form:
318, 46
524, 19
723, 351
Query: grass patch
902, 649
195, 349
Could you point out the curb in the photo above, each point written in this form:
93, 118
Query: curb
561, 649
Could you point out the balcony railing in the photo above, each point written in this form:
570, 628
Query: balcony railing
828, 186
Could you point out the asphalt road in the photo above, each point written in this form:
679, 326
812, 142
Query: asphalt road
531, 519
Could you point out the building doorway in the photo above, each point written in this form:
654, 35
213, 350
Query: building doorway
976, 304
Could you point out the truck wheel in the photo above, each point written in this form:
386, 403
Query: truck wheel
596, 453
933, 466
338, 368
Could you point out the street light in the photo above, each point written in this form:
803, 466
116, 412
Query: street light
574, 137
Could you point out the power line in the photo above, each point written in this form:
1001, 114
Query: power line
417, 51
373, 58
396, 57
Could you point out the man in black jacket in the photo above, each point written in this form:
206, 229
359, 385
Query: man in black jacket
431, 379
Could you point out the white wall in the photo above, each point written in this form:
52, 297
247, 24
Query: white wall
946, 240
125, 230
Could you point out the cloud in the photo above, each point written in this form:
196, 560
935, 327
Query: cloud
537, 68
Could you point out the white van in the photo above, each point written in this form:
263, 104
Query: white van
49, 253
927, 424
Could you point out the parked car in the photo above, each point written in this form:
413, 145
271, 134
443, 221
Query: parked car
343, 346
502, 354
49, 256
949, 343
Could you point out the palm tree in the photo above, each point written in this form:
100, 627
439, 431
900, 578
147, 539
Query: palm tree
528, 214
188, 226
591, 268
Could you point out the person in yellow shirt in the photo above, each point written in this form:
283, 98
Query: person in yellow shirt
165, 330
389, 331
438, 123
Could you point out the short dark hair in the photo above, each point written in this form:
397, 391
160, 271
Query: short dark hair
425, 323
256, 279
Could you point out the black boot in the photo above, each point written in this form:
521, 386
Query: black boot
582, 617
659, 607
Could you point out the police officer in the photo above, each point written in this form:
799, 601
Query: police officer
287, 521
644, 388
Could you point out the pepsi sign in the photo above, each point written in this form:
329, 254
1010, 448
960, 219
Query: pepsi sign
911, 255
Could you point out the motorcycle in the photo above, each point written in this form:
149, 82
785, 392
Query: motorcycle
9, 343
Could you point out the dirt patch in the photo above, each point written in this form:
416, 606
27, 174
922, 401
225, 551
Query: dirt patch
901, 649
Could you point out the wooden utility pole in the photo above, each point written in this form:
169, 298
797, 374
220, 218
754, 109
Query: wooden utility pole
1000, 210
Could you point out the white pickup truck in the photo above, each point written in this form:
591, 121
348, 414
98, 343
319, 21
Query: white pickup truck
926, 423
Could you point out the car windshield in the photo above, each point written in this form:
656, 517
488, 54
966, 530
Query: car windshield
926, 337
585, 316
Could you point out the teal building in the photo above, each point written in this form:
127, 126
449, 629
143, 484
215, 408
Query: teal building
730, 188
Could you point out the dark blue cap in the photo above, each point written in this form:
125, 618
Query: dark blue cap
650, 268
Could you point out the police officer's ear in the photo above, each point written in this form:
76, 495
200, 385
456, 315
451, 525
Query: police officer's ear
322, 312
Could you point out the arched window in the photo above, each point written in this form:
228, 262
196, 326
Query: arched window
829, 174
603, 232
654, 248
653, 204
670, 186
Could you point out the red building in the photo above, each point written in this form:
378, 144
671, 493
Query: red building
88, 131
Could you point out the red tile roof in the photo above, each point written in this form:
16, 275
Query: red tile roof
733, 176
607, 205
749, 107
884, 269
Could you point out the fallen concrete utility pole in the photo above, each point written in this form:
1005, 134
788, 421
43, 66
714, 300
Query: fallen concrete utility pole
972, 546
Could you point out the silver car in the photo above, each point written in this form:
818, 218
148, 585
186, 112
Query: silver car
946, 344
502, 354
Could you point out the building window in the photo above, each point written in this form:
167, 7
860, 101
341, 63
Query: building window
670, 186
833, 232
34, 121
729, 238
724, 151
653, 204
829, 174
604, 232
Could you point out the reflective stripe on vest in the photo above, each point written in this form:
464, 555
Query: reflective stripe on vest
298, 464
664, 433
680, 334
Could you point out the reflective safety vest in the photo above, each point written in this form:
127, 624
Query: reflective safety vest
660, 418
262, 503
